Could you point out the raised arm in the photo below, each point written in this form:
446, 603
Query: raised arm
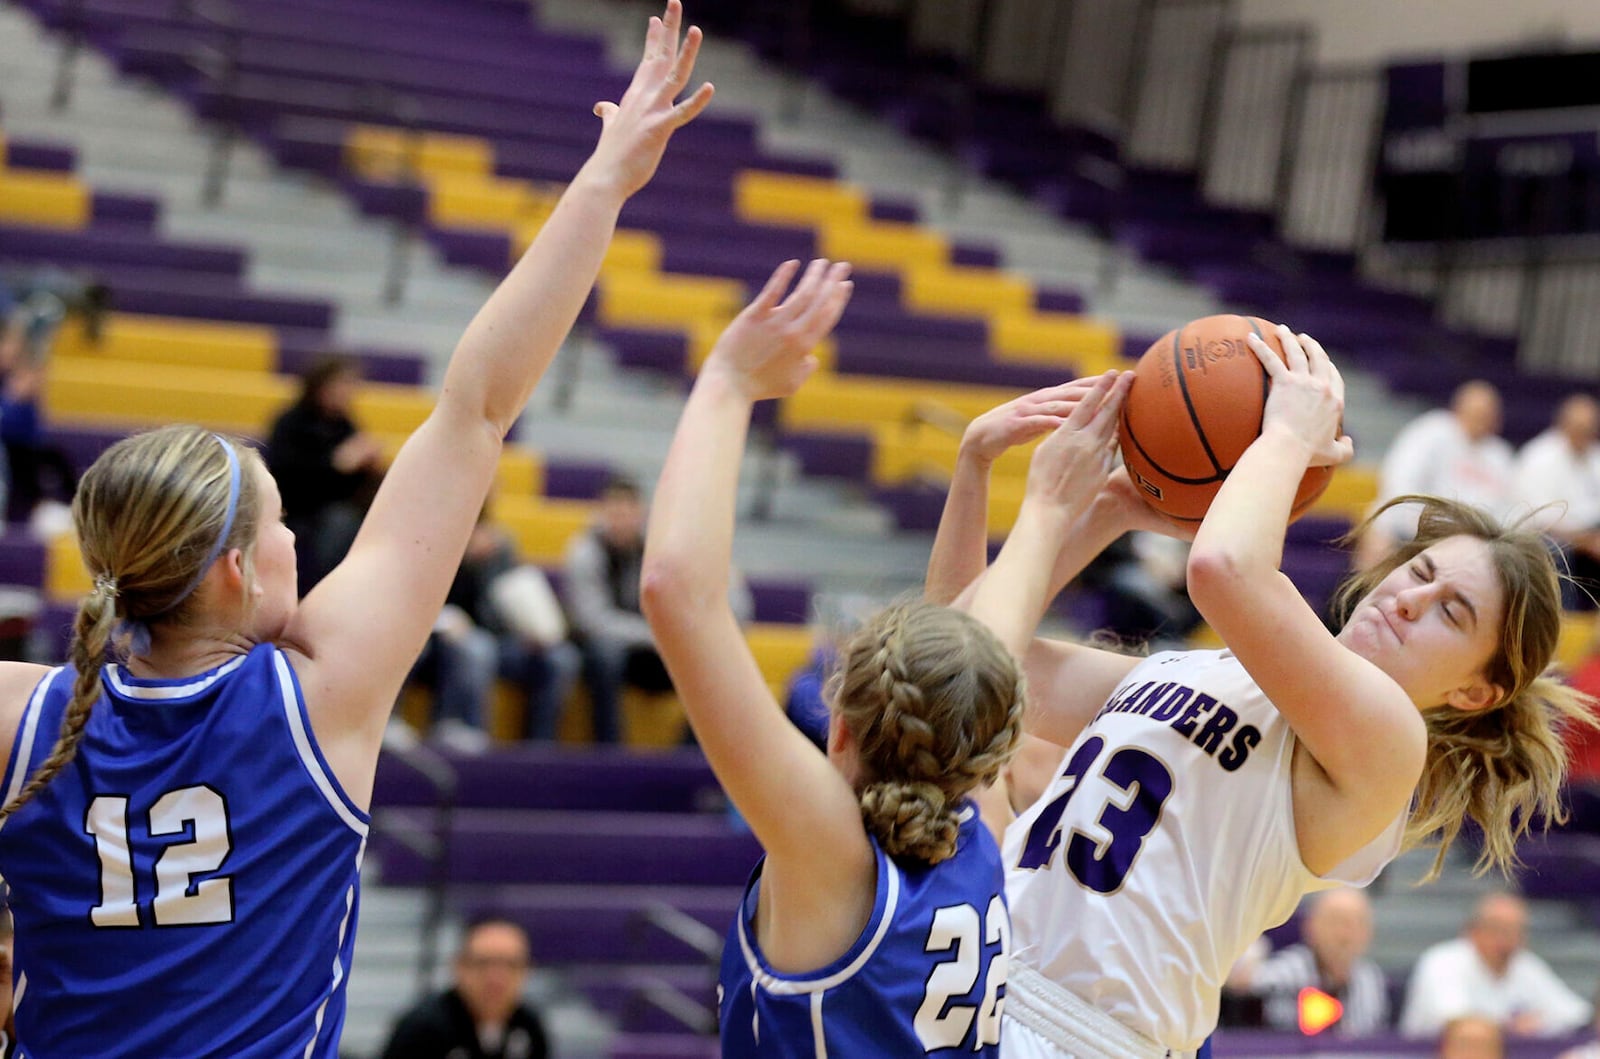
961, 546
359, 631
800, 807
1359, 727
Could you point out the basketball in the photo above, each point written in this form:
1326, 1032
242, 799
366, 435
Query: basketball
1195, 406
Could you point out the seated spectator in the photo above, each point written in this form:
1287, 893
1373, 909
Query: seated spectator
483, 1015
1456, 453
1558, 474
1592, 1049
602, 595
35, 302
1332, 958
326, 468
1489, 972
1471, 1037
501, 619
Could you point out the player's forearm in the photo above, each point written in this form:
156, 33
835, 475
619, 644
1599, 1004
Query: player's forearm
1242, 534
512, 340
1092, 534
689, 546
961, 546
1013, 594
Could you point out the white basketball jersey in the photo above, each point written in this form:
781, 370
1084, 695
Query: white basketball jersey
1165, 846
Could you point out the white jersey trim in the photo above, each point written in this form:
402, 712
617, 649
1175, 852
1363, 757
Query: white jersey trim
308, 756
166, 692
819, 1035
1071, 1023
338, 961
26, 735
799, 986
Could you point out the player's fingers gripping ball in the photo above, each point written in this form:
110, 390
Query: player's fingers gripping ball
1196, 405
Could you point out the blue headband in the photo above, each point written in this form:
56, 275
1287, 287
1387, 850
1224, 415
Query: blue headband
139, 630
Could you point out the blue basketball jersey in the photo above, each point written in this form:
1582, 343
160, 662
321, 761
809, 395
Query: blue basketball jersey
187, 886
927, 975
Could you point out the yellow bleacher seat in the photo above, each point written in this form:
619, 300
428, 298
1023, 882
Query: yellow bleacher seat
960, 290
387, 408
383, 153
882, 244
779, 649
785, 198
1350, 494
467, 201
129, 393
45, 199
521, 470
907, 451
170, 340
857, 402
1577, 639
1090, 346
667, 300
65, 576
541, 527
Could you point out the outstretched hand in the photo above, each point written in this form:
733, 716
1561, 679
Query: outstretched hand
1070, 466
1307, 396
1022, 419
767, 350
637, 128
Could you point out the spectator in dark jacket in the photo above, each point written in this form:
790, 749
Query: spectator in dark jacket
326, 468
483, 1016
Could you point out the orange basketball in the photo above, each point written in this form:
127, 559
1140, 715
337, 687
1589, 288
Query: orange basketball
1195, 406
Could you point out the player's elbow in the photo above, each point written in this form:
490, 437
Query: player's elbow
668, 589
1214, 576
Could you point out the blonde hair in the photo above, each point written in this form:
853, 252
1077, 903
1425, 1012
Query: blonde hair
1503, 766
934, 702
149, 515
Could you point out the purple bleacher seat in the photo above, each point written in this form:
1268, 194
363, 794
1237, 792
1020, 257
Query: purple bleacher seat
787, 602
541, 776
621, 992
663, 1046
1560, 866
526, 846
126, 209
52, 628
81, 444
475, 248
1055, 300
299, 348
406, 202
170, 293
1583, 808
115, 244
1317, 529
663, 351
601, 924
831, 455
941, 364
30, 154
22, 559
870, 319
915, 507
887, 208
577, 481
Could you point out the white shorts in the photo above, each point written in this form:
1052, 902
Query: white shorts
1043, 1021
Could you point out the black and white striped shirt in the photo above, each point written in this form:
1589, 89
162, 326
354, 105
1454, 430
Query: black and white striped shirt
1281, 977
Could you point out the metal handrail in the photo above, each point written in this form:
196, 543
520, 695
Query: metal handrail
675, 923
443, 780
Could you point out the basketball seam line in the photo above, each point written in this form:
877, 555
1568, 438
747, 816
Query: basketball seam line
1188, 402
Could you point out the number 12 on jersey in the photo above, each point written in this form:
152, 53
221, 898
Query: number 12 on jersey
1131, 771
178, 899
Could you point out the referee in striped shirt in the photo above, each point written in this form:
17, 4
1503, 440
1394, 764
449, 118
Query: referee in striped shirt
1332, 958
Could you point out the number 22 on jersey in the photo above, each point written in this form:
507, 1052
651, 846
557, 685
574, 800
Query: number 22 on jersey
1141, 786
178, 899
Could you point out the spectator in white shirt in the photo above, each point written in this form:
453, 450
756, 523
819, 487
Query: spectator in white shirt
1456, 453
1488, 972
1332, 958
1558, 474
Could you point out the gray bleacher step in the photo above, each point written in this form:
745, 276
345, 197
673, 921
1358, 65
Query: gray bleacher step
435, 335
361, 291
